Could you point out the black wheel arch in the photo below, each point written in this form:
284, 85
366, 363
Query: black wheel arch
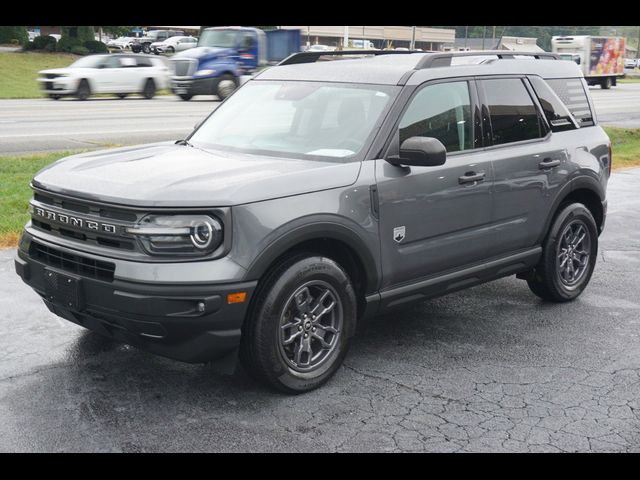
327, 237
584, 189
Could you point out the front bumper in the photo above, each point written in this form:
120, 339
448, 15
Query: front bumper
58, 85
194, 86
187, 322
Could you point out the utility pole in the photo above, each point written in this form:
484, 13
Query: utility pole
413, 38
484, 34
638, 46
493, 37
466, 35
345, 41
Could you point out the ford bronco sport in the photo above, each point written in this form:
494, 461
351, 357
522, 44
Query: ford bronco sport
321, 193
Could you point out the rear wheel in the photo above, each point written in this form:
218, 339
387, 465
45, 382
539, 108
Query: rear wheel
569, 256
84, 91
226, 85
185, 96
297, 332
149, 89
54, 96
606, 83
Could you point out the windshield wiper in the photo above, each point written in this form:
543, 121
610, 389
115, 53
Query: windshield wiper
184, 142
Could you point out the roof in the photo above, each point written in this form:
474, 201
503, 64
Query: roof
391, 69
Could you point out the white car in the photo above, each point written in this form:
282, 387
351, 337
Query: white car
120, 74
320, 48
121, 43
630, 63
174, 44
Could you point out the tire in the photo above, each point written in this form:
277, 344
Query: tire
121, 95
606, 83
149, 89
54, 96
171, 50
303, 279
84, 91
552, 277
186, 96
224, 87
146, 48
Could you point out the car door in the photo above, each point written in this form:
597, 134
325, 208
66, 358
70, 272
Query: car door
434, 219
107, 76
529, 163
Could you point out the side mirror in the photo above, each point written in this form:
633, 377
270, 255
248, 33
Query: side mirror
420, 152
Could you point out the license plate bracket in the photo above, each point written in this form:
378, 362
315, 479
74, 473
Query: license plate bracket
63, 289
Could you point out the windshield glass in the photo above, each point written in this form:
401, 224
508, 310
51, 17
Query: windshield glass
92, 61
219, 38
308, 120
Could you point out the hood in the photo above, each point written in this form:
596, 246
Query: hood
203, 53
169, 175
57, 71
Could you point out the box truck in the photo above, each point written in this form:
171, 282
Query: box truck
600, 58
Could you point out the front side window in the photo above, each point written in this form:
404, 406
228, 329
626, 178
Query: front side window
441, 111
297, 119
513, 114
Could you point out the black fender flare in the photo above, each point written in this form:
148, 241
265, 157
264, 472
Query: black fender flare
318, 228
585, 182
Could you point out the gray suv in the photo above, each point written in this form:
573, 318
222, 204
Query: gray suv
319, 194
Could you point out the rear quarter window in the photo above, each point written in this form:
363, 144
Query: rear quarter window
572, 93
557, 114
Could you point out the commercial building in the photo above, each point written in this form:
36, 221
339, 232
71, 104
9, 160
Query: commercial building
426, 38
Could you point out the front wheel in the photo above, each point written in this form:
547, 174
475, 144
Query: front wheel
84, 91
226, 85
568, 257
299, 327
185, 96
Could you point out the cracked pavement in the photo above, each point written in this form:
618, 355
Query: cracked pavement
491, 368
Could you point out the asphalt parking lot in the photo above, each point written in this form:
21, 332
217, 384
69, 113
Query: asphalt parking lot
491, 368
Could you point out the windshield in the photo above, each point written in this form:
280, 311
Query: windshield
309, 120
219, 38
92, 61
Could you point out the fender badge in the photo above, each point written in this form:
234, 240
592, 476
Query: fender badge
399, 233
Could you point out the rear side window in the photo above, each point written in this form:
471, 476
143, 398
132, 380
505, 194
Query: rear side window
513, 114
556, 113
571, 92
441, 111
143, 62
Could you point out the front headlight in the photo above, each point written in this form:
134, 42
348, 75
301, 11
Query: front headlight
187, 235
202, 73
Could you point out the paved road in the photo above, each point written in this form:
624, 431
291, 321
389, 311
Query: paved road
488, 369
619, 106
46, 125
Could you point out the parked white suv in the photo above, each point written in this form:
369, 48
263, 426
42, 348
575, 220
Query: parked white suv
117, 73
174, 44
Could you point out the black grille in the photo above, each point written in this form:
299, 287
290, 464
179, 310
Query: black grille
85, 267
48, 85
51, 75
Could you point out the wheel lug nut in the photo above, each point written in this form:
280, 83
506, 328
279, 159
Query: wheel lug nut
313, 329
300, 328
306, 335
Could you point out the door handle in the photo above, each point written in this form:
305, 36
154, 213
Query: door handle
471, 177
548, 163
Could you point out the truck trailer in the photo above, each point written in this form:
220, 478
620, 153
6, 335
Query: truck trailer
600, 58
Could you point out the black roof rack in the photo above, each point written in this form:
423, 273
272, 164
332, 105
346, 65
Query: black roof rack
312, 57
444, 59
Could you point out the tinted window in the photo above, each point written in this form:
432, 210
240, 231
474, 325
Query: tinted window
571, 92
554, 110
513, 115
442, 111
143, 62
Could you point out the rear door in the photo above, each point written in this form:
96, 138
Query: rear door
529, 163
434, 219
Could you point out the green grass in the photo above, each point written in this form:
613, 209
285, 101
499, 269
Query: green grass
629, 80
626, 146
16, 173
20, 70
